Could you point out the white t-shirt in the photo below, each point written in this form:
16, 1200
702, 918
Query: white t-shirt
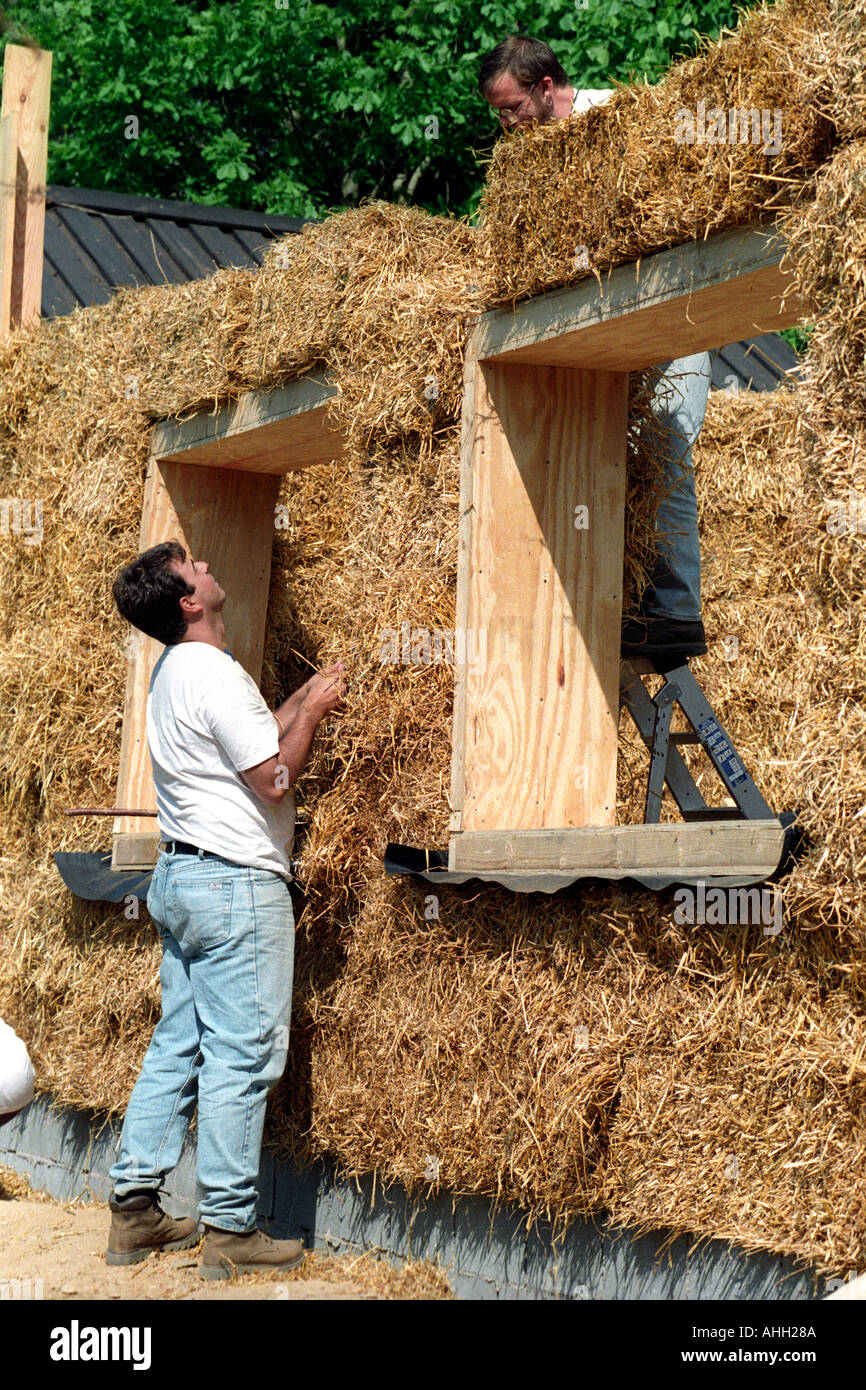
206, 723
17, 1077
585, 97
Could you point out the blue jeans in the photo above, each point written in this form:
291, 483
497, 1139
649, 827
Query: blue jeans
679, 404
228, 938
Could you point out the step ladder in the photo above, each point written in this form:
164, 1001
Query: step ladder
652, 716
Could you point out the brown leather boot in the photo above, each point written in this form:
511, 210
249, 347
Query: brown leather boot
227, 1253
139, 1226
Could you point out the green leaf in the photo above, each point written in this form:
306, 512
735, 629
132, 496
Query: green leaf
319, 105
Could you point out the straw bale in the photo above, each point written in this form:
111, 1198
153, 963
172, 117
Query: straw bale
582, 1053
85, 981
161, 350
832, 64
457, 1040
615, 183
827, 238
381, 295
749, 1140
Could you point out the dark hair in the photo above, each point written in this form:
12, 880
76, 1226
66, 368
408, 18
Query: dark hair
148, 593
526, 59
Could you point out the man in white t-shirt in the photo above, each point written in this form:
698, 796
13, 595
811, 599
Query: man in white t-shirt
525, 83
223, 766
17, 1077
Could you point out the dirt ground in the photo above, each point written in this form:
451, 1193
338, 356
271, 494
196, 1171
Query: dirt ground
58, 1252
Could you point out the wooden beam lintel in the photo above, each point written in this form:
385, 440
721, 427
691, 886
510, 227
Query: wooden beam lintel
677, 302
273, 432
716, 847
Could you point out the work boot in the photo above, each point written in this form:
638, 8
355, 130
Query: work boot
666, 642
226, 1253
139, 1226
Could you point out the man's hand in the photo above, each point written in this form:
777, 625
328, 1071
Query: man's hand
289, 708
323, 694
325, 691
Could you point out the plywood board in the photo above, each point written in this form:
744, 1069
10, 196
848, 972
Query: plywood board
688, 299
8, 201
27, 91
227, 518
469, 429
539, 598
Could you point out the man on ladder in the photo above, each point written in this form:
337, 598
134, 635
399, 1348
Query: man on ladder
524, 83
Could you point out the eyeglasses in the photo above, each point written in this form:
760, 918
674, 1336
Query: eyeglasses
510, 113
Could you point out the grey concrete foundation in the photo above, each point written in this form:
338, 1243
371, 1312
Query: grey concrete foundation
68, 1153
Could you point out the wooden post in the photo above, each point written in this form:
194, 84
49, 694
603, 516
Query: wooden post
23, 170
540, 598
8, 186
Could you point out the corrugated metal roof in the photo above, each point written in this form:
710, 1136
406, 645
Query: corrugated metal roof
96, 242
756, 364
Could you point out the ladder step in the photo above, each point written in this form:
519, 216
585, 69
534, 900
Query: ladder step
652, 715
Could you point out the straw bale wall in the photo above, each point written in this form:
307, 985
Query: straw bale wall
653, 168
585, 1053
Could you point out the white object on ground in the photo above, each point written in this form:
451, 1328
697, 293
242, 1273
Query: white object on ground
17, 1077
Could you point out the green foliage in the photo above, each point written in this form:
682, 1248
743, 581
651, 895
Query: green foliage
298, 107
799, 338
